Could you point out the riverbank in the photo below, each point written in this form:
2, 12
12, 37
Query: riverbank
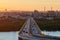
48, 25
11, 24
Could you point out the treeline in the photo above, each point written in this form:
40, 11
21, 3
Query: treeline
11, 24
49, 25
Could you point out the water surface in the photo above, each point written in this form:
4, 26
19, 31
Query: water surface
52, 33
13, 35
8, 36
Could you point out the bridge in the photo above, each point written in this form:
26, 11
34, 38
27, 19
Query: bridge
31, 31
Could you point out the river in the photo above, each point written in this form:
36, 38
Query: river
14, 36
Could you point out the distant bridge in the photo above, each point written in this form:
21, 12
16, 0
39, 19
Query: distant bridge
31, 31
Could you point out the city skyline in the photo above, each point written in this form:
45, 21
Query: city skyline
29, 5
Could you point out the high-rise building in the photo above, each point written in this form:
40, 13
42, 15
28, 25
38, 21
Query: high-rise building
36, 14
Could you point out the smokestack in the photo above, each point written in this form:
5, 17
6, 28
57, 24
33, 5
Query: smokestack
5, 10
44, 8
51, 8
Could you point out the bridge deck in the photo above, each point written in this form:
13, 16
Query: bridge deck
31, 31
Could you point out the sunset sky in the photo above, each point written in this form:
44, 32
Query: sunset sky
29, 4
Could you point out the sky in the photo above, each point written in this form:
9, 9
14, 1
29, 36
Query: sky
29, 4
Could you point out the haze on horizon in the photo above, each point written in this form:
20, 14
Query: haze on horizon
29, 4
